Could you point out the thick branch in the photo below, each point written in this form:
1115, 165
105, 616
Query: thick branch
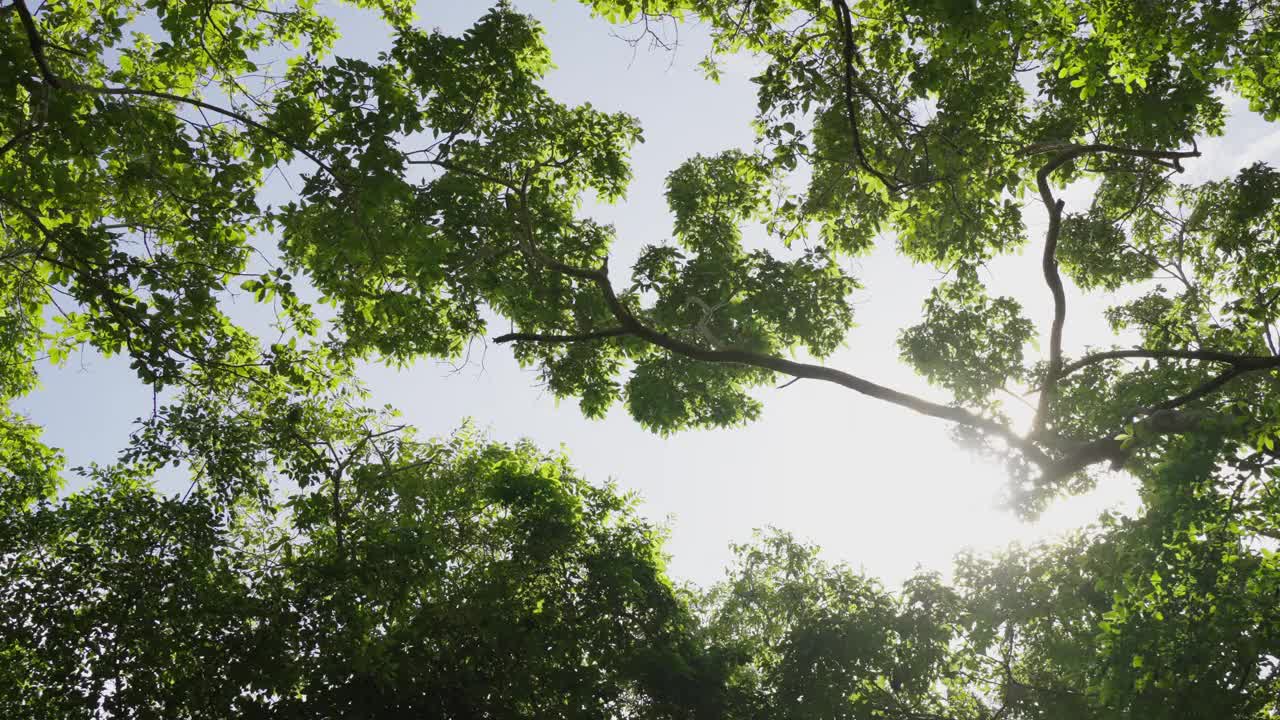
37, 43
1066, 153
1049, 265
1162, 418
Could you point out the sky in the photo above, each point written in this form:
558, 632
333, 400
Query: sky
873, 484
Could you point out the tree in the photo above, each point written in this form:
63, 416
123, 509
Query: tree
814, 640
440, 181
455, 579
1113, 623
409, 263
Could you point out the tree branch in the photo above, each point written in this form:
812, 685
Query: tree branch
1207, 388
1162, 418
1069, 151
1049, 266
553, 338
845, 22
36, 42
17, 138
1066, 153
1246, 362
631, 325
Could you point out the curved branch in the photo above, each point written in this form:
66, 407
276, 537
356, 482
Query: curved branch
1066, 153
814, 372
1049, 266
1162, 418
18, 138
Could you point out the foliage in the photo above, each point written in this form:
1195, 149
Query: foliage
327, 563
459, 579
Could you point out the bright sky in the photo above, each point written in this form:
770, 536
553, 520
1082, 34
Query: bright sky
872, 484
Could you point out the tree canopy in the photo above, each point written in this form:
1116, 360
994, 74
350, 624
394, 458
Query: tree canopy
327, 563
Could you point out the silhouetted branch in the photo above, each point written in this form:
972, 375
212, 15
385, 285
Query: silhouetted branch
553, 338
1246, 362
1066, 153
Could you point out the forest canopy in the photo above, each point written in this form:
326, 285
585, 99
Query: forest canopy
326, 561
